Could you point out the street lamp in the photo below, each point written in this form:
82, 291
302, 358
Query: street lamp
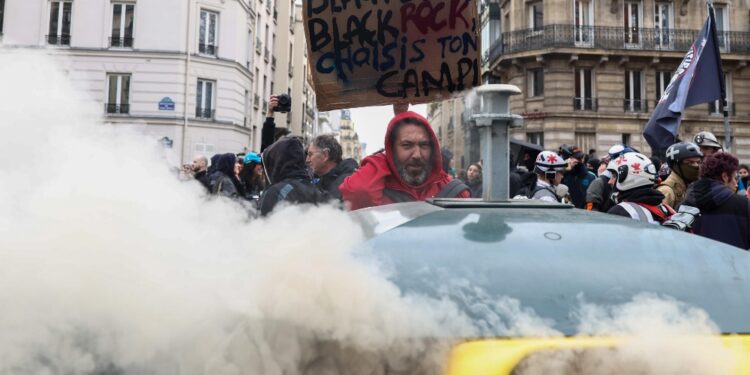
494, 122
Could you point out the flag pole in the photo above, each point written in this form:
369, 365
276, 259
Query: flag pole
724, 103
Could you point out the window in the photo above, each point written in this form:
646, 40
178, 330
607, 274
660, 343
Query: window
204, 102
663, 24
585, 141
583, 15
722, 25
662, 81
122, 25
535, 83
118, 93
634, 92
207, 39
59, 23
2, 11
584, 99
204, 149
249, 49
625, 139
632, 23
536, 16
536, 138
715, 108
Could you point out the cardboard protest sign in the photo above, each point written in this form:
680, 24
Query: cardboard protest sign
377, 52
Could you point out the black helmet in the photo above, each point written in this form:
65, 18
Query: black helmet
681, 151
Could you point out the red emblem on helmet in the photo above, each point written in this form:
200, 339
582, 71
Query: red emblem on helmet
621, 160
551, 158
636, 167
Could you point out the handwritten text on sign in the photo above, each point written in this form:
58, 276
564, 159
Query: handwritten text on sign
375, 52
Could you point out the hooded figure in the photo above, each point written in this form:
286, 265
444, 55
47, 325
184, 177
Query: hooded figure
725, 216
284, 163
222, 179
378, 181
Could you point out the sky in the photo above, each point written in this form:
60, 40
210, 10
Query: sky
370, 123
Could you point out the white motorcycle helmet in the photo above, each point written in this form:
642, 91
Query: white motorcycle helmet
635, 170
707, 139
549, 162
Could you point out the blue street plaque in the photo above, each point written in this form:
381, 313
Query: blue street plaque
166, 104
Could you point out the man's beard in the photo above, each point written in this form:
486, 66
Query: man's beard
410, 179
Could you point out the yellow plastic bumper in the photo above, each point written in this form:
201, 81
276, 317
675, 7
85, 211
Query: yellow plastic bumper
501, 356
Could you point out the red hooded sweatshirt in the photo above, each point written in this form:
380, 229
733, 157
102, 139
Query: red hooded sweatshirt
365, 187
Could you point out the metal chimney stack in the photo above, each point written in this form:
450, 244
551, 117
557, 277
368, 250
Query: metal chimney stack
494, 121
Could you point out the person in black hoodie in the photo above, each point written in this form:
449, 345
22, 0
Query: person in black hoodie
284, 166
324, 157
223, 178
725, 216
637, 197
577, 177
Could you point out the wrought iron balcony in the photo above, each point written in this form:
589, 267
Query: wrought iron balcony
586, 104
119, 42
204, 113
635, 105
119, 109
59, 40
713, 110
208, 49
612, 38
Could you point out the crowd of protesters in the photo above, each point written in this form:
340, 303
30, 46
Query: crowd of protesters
695, 178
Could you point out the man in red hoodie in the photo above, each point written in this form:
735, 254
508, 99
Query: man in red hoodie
410, 169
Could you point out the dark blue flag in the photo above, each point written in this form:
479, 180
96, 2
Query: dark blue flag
698, 79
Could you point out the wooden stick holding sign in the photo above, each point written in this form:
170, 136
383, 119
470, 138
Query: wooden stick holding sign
377, 52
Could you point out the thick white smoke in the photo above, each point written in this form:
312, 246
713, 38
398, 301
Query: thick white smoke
109, 264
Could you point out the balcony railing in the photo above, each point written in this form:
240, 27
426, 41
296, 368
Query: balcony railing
204, 113
608, 37
586, 104
713, 110
635, 105
208, 49
58, 40
256, 101
119, 109
118, 42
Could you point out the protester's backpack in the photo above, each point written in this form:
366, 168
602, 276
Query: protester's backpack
538, 188
450, 190
648, 213
528, 185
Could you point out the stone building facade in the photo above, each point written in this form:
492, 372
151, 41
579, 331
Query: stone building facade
591, 72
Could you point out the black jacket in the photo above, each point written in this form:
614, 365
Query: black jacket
476, 188
222, 180
645, 195
725, 216
578, 181
284, 163
204, 179
331, 181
